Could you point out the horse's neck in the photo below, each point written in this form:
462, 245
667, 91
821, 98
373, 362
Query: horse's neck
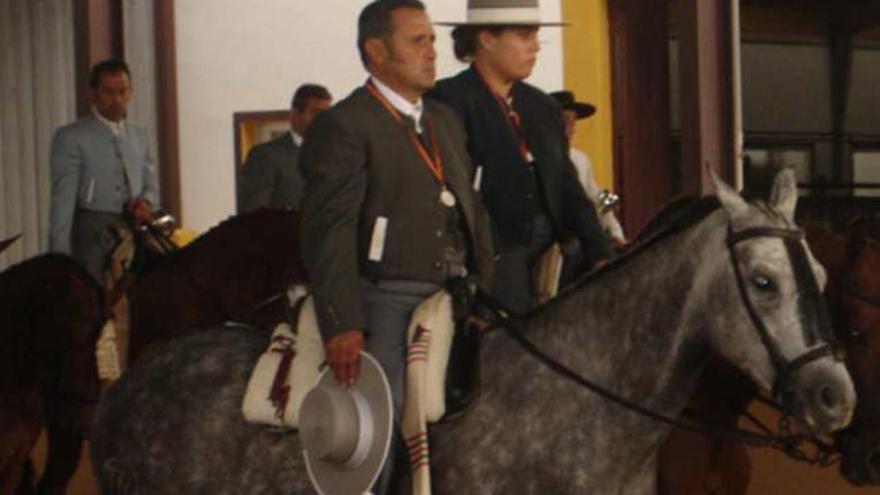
633, 330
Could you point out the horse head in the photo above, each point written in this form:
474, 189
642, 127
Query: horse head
854, 300
784, 341
8, 242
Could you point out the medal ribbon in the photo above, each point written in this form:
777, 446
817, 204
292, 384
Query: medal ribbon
435, 164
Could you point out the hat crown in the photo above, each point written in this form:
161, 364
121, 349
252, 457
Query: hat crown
503, 13
501, 4
330, 430
563, 97
500, 12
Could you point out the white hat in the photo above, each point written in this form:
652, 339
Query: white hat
346, 432
503, 13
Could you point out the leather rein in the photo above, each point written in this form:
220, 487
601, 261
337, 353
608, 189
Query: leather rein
792, 444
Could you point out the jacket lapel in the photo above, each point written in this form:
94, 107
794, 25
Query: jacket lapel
456, 180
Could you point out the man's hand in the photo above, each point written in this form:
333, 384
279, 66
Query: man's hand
344, 356
140, 211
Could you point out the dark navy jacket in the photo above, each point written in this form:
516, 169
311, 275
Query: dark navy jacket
512, 191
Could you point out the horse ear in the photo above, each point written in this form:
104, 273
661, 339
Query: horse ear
5, 244
784, 194
730, 199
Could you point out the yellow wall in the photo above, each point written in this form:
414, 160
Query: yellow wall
587, 68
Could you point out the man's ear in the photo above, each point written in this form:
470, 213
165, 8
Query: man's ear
376, 51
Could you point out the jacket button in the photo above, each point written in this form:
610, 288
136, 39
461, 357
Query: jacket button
439, 233
438, 265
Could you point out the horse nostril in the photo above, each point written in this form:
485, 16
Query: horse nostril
828, 398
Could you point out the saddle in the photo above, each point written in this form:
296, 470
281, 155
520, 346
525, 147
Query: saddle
442, 355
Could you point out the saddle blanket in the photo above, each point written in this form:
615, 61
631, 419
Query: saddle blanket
290, 366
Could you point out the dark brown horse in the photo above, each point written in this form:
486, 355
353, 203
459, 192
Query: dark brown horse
230, 273
696, 464
52, 311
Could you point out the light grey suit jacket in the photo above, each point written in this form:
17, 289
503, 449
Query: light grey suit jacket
93, 170
270, 177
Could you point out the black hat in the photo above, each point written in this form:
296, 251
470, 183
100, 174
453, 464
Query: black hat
567, 101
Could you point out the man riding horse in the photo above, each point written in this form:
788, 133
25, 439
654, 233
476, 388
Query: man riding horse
389, 215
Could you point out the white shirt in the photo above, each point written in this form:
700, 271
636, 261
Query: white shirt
297, 139
585, 176
117, 128
404, 106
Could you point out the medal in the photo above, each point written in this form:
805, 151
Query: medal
434, 164
447, 198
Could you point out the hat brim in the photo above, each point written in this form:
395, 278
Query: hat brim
581, 110
333, 479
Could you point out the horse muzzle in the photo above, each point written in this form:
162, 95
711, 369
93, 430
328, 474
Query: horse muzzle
821, 394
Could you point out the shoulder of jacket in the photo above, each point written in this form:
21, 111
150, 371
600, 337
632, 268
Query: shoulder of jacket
81, 125
533, 93
347, 110
439, 108
458, 86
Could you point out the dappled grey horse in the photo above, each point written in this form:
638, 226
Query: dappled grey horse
642, 327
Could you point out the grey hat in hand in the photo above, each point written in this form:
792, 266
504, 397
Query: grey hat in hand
346, 432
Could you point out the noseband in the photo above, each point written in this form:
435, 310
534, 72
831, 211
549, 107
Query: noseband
813, 313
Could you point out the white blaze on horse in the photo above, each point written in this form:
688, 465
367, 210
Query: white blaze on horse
739, 282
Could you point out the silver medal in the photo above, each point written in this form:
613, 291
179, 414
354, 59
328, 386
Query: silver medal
447, 198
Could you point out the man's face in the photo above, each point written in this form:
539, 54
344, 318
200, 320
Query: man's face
569, 118
300, 120
410, 54
513, 52
112, 95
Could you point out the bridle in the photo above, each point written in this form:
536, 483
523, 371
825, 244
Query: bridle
814, 320
815, 323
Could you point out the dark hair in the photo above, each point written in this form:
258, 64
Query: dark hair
375, 21
464, 40
307, 92
109, 66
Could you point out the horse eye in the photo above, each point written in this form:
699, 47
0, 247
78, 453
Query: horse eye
764, 283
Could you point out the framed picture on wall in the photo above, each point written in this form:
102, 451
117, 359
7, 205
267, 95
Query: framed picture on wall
253, 128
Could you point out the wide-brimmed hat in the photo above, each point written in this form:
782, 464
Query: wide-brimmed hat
346, 432
566, 100
503, 13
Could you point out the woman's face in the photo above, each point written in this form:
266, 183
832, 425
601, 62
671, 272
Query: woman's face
511, 52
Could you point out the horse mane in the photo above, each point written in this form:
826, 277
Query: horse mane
234, 229
677, 216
